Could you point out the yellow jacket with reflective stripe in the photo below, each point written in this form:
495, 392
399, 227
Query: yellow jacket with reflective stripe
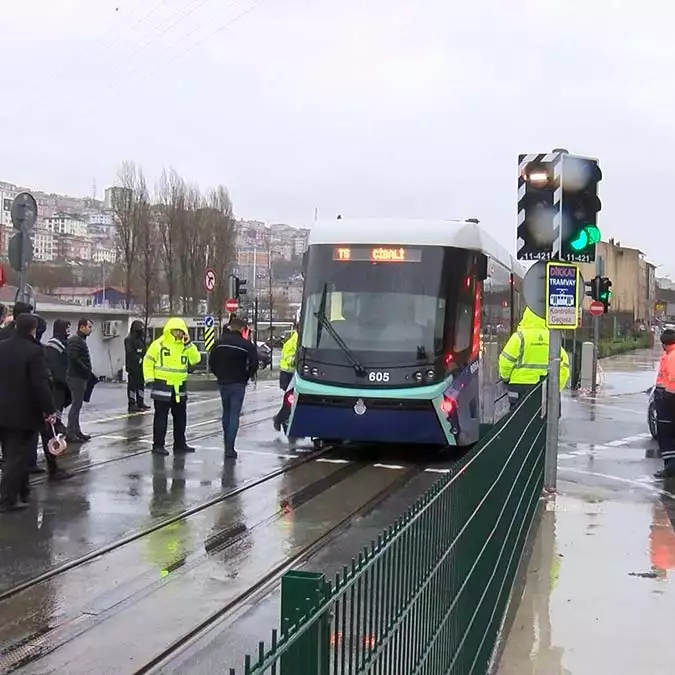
287, 363
166, 363
524, 359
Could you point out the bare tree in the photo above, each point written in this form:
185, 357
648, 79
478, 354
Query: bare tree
147, 246
170, 218
126, 221
221, 249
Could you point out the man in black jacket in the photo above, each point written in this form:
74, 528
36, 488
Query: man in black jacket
25, 404
234, 361
78, 377
134, 351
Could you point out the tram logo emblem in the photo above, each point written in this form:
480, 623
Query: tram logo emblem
360, 407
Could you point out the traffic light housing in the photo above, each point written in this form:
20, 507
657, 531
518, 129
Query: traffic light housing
239, 288
605, 293
580, 206
538, 206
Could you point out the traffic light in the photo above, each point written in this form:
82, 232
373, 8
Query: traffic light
593, 287
580, 207
538, 205
239, 288
605, 293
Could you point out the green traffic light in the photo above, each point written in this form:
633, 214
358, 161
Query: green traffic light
586, 237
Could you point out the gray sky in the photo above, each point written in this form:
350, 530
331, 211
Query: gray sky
359, 107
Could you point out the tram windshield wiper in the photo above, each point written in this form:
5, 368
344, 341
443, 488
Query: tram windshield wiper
325, 323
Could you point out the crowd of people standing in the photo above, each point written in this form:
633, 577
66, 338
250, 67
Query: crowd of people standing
38, 381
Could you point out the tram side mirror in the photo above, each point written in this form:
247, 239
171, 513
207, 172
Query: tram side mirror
305, 257
482, 268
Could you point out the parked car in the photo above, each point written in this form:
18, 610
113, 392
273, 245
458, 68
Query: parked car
651, 414
264, 356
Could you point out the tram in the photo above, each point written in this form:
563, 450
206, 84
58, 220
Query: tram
401, 327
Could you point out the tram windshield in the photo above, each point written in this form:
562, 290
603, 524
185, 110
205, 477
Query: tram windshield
384, 300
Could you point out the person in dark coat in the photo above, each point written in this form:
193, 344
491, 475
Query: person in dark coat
134, 350
234, 361
18, 309
55, 354
25, 404
79, 377
7, 331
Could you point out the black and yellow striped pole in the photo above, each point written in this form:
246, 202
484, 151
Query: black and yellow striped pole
209, 333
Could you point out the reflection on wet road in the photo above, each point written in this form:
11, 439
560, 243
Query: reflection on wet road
67, 604
599, 593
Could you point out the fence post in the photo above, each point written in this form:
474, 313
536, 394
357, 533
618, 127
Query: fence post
300, 593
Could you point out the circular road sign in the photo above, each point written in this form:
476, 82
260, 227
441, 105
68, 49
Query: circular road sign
209, 321
232, 305
596, 308
209, 280
24, 211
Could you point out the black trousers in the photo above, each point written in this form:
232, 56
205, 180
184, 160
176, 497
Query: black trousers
665, 425
285, 411
135, 387
18, 446
160, 422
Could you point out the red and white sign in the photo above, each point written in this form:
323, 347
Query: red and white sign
3, 278
232, 305
596, 308
209, 280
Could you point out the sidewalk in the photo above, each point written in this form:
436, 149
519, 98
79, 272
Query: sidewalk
599, 595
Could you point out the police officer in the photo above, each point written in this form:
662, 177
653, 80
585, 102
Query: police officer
524, 360
664, 402
165, 370
286, 370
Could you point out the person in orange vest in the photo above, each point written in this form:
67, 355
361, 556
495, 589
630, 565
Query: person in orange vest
664, 401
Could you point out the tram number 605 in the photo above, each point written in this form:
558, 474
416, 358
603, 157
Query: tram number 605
378, 376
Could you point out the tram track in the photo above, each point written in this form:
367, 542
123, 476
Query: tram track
143, 438
34, 647
74, 563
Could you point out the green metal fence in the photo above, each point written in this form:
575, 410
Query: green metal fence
428, 596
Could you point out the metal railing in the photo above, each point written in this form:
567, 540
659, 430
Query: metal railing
429, 595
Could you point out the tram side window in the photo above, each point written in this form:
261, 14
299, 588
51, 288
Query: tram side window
497, 304
466, 295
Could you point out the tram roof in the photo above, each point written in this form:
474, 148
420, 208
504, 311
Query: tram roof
410, 232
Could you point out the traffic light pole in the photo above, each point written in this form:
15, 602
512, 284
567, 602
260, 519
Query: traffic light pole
552, 410
596, 347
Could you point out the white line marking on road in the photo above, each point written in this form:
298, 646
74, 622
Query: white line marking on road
626, 410
432, 469
627, 481
568, 455
389, 466
328, 460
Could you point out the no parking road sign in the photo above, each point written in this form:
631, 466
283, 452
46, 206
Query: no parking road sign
209, 280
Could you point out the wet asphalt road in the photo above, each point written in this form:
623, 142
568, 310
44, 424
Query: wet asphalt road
600, 588
160, 585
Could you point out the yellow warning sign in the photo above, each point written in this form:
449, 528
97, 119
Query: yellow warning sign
209, 338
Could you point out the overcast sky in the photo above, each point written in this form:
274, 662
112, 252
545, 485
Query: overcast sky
361, 107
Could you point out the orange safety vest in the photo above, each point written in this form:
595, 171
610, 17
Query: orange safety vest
668, 370
661, 375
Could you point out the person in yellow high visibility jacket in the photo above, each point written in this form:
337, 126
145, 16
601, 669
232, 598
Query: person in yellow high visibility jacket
286, 370
524, 360
165, 371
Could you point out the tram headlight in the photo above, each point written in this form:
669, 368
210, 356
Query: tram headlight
315, 372
430, 374
305, 369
